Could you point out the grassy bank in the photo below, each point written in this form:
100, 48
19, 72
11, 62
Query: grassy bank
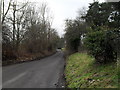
81, 72
118, 72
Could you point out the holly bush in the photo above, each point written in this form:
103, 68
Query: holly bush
100, 43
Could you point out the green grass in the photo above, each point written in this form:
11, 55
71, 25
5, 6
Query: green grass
81, 72
63, 49
118, 72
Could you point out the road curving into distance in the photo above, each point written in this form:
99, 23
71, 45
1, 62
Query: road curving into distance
44, 73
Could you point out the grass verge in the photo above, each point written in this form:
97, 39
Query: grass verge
81, 72
118, 72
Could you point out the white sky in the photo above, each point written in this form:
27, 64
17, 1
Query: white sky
63, 9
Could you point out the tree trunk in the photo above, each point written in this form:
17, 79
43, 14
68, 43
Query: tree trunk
14, 11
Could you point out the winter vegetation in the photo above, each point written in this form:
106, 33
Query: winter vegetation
26, 31
91, 42
95, 34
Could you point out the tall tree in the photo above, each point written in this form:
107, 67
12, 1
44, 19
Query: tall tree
96, 10
104, 34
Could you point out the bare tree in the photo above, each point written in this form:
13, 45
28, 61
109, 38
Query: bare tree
16, 22
47, 20
30, 28
5, 13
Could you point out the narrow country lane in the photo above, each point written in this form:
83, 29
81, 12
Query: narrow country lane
43, 73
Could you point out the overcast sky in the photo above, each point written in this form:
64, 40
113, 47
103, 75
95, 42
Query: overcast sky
64, 9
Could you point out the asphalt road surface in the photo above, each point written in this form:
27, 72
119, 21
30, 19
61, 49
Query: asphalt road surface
44, 73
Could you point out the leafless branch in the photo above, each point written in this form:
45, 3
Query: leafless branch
4, 15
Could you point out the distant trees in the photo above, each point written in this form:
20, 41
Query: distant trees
75, 29
27, 29
61, 43
39, 32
